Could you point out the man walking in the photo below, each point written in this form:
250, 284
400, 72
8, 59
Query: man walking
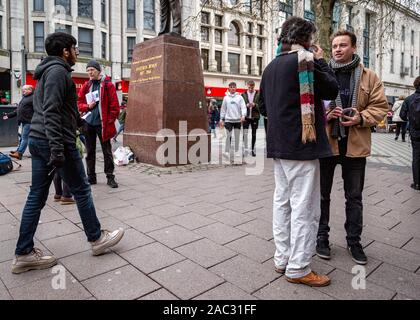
103, 109
410, 111
360, 104
232, 115
24, 113
52, 143
401, 124
292, 87
251, 98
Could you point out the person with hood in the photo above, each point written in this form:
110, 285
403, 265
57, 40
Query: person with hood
292, 88
52, 143
360, 104
232, 115
103, 109
401, 124
410, 111
24, 113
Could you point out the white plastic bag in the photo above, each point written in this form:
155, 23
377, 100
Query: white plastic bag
121, 157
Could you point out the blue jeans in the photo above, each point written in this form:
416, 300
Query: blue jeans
23, 142
73, 173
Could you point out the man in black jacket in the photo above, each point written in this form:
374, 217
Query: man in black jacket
24, 113
291, 90
52, 143
410, 111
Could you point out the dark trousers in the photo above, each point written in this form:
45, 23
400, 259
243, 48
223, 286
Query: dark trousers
265, 126
401, 127
73, 173
236, 127
416, 161
254, 127
170, 8
61, 188
91, 132
353, 174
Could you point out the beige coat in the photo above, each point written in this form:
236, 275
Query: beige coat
373, 106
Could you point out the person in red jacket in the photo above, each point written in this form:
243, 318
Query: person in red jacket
98, 100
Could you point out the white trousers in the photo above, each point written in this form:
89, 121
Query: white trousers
296, 213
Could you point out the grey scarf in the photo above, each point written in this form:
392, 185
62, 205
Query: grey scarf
356, 71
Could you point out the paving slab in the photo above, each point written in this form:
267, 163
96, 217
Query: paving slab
231, 218
252, 247
148, 223
174, 236
226, 291
191, 220
220, 233
161, 294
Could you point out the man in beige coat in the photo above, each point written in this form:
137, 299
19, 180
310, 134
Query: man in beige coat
360, 104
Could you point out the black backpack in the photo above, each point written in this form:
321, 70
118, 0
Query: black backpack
414, 112
6, 164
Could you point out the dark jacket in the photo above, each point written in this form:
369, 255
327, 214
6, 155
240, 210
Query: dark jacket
407, 114
280, 102
256, 110
25, 110
55, 104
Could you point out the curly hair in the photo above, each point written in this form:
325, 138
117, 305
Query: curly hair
296, 30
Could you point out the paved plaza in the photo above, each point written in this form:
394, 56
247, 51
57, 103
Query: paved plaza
207, 234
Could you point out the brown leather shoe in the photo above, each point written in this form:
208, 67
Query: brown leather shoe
67, 201
57, 198
312, 279
16, 155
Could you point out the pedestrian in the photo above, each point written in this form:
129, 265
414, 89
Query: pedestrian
24, 113
360, 104
62, 191
104, 109
212, 116
401, 124
121, 120
410, 111
52, 143
292, 88
232, 115
252, 117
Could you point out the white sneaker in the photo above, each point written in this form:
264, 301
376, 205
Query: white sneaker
36, 260
107, 240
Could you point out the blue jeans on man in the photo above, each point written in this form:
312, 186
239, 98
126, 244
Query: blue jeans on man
24, 137
73, 173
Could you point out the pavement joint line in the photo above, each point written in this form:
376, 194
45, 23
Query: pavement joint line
384, 214
212, 288
418, 210
236, 238
395, 294
402, 247
399, 192
399, 222
369, 195
417, 269
278, 276
374, 269
227, 259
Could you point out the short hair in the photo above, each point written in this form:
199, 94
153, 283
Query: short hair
296, 30
232, 84
401, 98
348, 33
417, 83
251, 83
28, 86
57, 42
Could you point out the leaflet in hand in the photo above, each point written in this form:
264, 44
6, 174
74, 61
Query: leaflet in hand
92, 97
86, 115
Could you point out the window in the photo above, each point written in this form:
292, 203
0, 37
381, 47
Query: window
233, 59
249, 42
412, 37
218, 36
259, 64
260, 29
250, 27
103, 11
402, 63
149, 14
63, 6
286, 6
403, 34
260, 43
248, 63
103, 46
218, 20
336, 16
233, 35
205, 58
205, 34
392, 61
85, 8
86, 42
205, 18
39, 36
309, 12
218, 58
412, 66
39, 5
366, 41
1, 31
63, 28
349, 18
131, 13
247, 6
131, 42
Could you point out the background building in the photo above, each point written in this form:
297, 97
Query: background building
237, 38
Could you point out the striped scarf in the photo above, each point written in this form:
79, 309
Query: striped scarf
306, 82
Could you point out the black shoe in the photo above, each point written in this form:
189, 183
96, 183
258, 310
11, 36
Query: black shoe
396, 138
111, 182
415, 186
323, 250
253, 153
358, 256
92, 180
403, 140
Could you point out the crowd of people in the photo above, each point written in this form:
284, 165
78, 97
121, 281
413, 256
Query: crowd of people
317, 115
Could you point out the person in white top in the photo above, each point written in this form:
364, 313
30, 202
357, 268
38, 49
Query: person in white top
401, 124
232, 115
